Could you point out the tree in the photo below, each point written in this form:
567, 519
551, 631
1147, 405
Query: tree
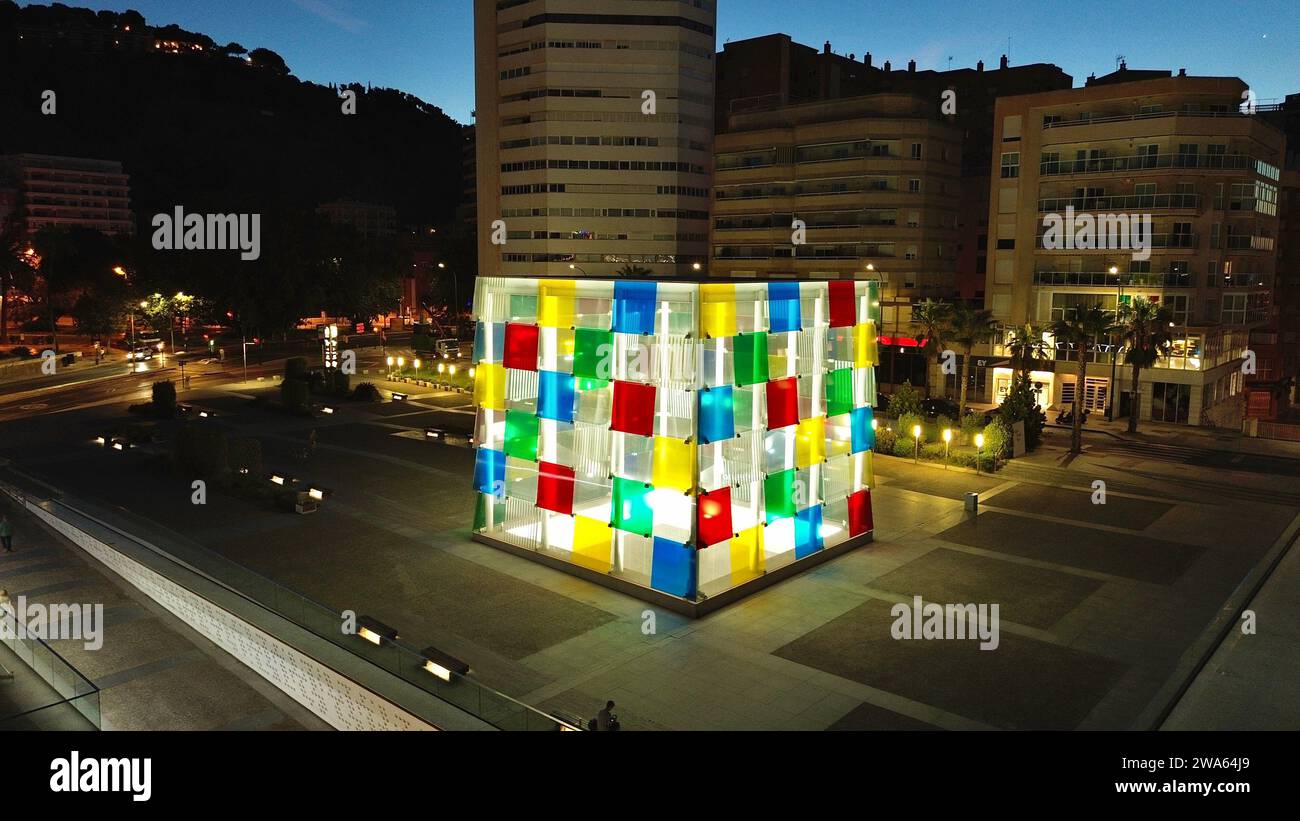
1021, 405
931, 319
267, 59
17, 268
97, 316
1081, 328
968, 327
904, 402
1143, 327
1027, 347
631, 270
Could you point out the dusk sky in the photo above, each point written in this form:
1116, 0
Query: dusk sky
426, 47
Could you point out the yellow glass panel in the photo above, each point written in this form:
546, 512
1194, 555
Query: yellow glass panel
674, 464
556, 302
810, 442
718, 310
593, 543
865, 353
747, 555
490, 386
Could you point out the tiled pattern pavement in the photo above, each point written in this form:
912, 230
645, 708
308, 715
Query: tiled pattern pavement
1098, 603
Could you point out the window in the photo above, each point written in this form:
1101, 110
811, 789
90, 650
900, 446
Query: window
1006, 245
916, 151
914, 186
1010, 165
913, 219
1170, 402
1234, 309
910, 253
1181, 305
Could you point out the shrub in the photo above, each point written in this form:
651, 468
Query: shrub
366, 392
966, 459
934, 451
245, 454
971, 424
1021, 405
997, 438
295, 367
202, 450
905, 425
885, 441
904, 446
293, 395
163, 399
943, 422
905, 401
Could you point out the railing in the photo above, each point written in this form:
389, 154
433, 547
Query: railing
1155, 240
1145, 162
1153, 115
78, 693
1241, 280
1109, 280
471, 696
1122, 202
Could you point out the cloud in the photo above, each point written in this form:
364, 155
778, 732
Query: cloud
332, 11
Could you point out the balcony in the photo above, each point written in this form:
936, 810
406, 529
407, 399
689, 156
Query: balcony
1146, 162
1104, 279
1122, 202
1157, 241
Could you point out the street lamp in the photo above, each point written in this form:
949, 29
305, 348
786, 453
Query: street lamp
916, 435
947, 442
455, 284
573, 267
979, 451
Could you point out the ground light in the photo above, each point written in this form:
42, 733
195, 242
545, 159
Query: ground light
947, 442
979, 450
442, 664
916, 435
375, 631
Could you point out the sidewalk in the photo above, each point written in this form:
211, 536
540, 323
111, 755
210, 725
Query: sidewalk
1165, 433
153, 671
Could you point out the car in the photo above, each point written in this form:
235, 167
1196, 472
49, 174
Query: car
448, 348
935, 407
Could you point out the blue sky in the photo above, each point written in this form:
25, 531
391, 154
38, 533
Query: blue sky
426, 47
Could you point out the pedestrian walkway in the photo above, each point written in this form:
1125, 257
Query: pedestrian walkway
153, 671
1249, 682
1189, 436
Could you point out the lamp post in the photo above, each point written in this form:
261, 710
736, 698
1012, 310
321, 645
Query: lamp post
916, 436
455, 284
1114, 354
947, 443
573, 267
979, 451
245, 347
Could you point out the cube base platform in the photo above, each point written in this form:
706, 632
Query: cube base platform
686, 442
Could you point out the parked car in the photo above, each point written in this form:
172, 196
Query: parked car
935, 407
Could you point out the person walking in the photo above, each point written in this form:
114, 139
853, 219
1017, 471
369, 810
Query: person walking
6, 533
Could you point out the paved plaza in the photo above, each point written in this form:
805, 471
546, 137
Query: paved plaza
1104, 608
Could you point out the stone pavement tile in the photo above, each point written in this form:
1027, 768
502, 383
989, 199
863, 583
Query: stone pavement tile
867, 716
1118, 554
1032, 596
1070, 503
1023, 684
202, 695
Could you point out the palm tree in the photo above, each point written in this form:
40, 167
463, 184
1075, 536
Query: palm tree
931, 319
1027, 347
969, 327
1144, 329
1082, 327
631, 270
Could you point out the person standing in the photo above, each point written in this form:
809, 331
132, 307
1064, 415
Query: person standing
6, 533
605, 719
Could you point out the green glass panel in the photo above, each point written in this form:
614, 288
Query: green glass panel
523, 307
630, 510
778, 495
521, 435
590, 347
839, 391
751, 358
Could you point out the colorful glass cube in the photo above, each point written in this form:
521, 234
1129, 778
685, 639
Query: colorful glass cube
751, 358
521, 347
634, 408
555, 487
714, 521
634, 307
717, 415
555, 397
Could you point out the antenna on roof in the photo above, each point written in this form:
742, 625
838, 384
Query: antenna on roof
1119, 60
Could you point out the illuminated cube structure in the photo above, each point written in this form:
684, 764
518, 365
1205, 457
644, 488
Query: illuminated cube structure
683, 441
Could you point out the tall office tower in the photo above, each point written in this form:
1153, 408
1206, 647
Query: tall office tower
1127, 147
594, 135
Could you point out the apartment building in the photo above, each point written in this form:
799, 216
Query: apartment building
772, 71
874, 183
593, 135
1139, 145
68, 192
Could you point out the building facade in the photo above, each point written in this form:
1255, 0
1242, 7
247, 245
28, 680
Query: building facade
1079, 175
593, 129
49, 191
